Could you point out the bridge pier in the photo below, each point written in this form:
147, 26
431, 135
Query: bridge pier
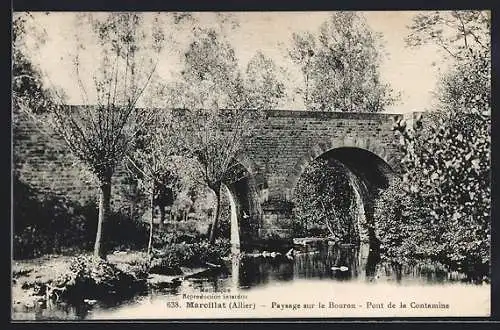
276, 220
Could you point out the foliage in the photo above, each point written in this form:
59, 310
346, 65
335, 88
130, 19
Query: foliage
445, 194
404, 227
164, 238
302, 54
175, 255
264, 86
27, 84
215, 93
323, 198
169, 260
45, 223
28, 89
90, 277
156, 166
341, 66
466, 88
99, 135
48, 223
455, 32
205, 252
448, 169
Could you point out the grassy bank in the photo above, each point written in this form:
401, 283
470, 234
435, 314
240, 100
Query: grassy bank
59, 277
80, 277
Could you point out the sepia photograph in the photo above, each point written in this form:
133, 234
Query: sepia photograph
250, 165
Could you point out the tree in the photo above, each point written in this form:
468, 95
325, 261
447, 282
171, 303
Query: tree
28, 89
100, 134
264, 86
447, 166
213, 82
302, 54
446, 163
404, 228
216, 96
455, 32
154, 161
323, 200
341, 66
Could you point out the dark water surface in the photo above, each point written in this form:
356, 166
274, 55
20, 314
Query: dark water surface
317, 267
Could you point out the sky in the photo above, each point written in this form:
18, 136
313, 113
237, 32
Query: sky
412, 72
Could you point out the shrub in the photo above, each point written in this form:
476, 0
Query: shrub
163, 238
88, 277
47, 223
168, 260
204, 252
403, 227
322, 198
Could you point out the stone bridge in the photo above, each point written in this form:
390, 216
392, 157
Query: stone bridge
286, 144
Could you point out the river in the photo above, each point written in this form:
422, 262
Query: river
334, 275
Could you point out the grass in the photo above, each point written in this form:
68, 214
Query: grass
34, 278
30, 276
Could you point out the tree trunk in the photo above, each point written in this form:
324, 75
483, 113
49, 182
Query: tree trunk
215, 222
150, 242
104, 205
162, 216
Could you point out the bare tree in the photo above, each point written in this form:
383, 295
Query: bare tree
100, 132
216, 96
155, 163
452, 31
215, 139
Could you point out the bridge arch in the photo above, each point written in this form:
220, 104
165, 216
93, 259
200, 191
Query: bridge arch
245, 207
322, 148
369, 168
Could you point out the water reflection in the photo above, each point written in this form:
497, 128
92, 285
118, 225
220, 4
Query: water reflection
324, 262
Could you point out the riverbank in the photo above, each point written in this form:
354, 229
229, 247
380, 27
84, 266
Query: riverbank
264, 279
33, 279
29, 276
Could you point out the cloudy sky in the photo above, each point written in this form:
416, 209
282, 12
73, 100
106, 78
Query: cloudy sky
412, 72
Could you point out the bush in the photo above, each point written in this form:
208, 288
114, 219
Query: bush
446, 169
323, 199
403, 226
168, 260
204, 252
88, 277
135, 263
163, 238
124, 233
409, 233
47, 223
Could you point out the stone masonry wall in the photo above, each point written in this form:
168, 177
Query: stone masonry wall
43, 161
285, 144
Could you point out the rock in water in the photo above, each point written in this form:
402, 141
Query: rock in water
90, 301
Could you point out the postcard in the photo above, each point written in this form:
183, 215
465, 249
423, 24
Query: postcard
251, 165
